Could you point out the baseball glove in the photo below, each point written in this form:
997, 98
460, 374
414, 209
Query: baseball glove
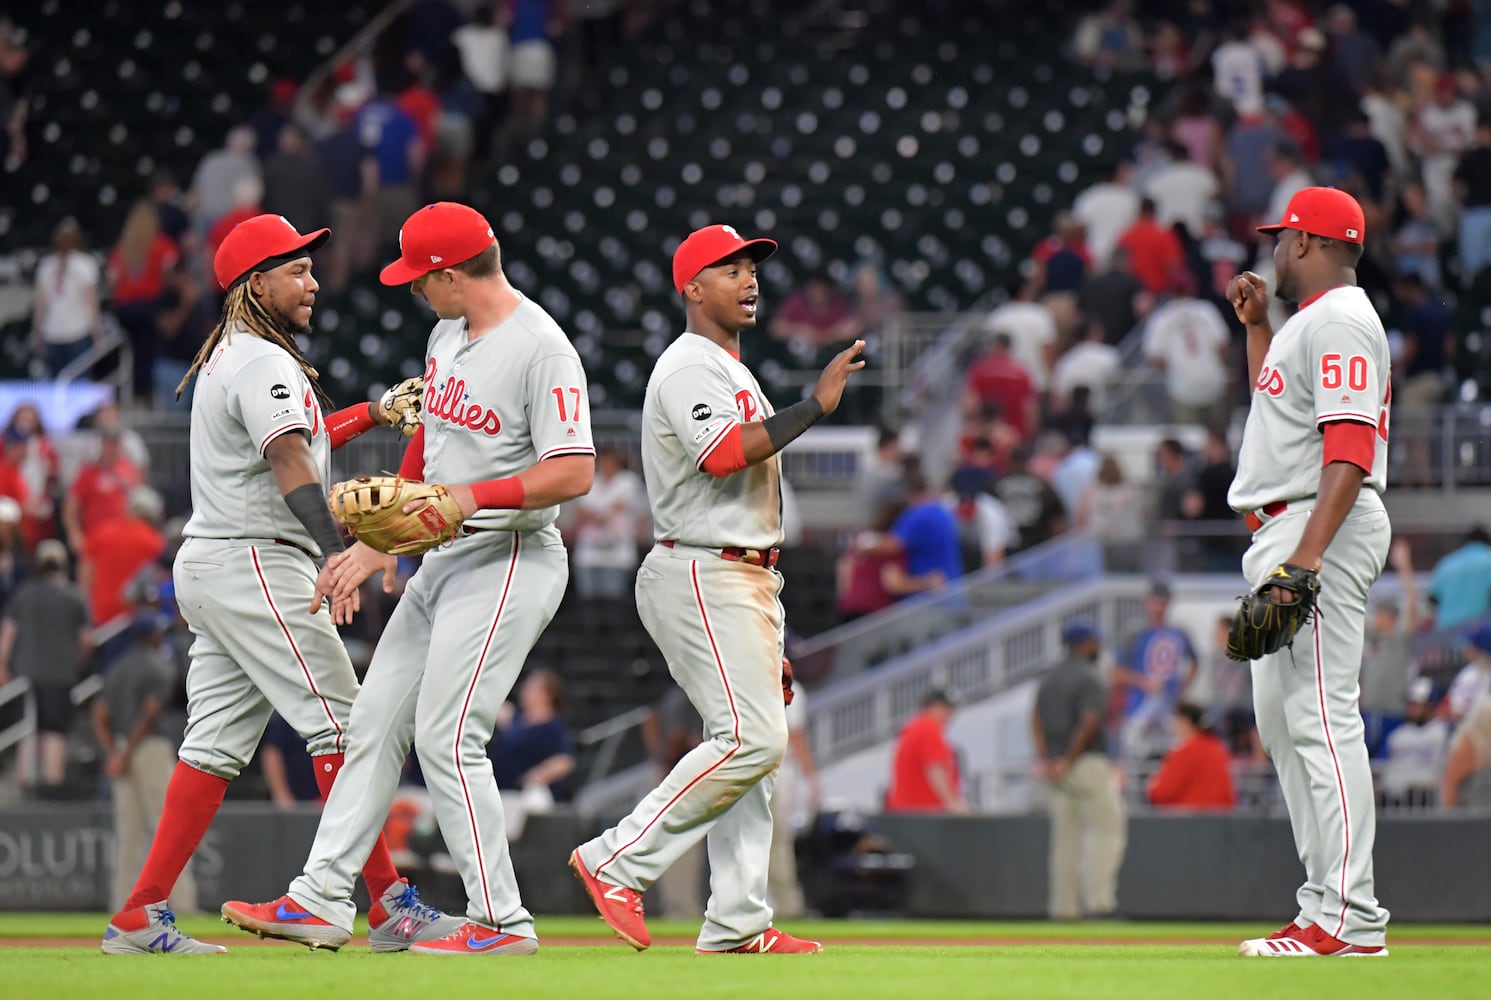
1266, 625
401, 405
372, 508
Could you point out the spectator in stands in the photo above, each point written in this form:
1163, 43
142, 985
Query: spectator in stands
1188, 339
985, 530
65, 319
1245, 163
486, 62
1473, 189
218, 176
1206, 503
36, 458
186, 318
609, 522
248, 199
1036, 508
1355, 54
1000, 380
1228, 694
1031, 331
166, 196
534, 27
1441, 133
1076, 468
287, 768
1087, 821
14, 99
116, 549
1285, 163
1469, 753
84, 444
1110, 39
1238, 70
1197, 130
882, 479
1155, 253
1153, 672
295, 184
1356, 152
1059, 265
1415, 244
670, 731
1092, 363
137, 271
101, 490
924, 767
1181, 190
1416, 751
1115, 299
138, 754
1197, 773
32, 508
927, 532
797, 790
532, 752
1106, 511
44, 638
877, 303
871, 571
351, 172
1473, 682
1106, 210
391, 140
13, 550
1387, 658
1460, 585
1173, 480
816, 314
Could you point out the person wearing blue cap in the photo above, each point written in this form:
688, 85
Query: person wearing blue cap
1088, 833
1473, 682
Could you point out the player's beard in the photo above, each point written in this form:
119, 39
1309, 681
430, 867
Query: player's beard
285, 318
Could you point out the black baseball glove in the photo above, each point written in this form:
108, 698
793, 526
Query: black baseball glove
1264, 624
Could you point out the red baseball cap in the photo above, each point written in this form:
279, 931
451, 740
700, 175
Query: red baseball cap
440, 235
261, 244
711, 245
1323, 211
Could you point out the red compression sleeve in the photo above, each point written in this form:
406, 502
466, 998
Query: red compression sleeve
413, 465
499, 494
728, 456
345, 424
1350, 441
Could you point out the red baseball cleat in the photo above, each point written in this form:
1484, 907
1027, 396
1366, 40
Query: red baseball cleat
287, 920
774, 942
618, 906
475, 939
1308, 942
1289, 930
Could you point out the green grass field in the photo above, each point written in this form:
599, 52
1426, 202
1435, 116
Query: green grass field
905, 960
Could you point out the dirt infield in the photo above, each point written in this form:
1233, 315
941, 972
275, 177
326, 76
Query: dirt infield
233, 940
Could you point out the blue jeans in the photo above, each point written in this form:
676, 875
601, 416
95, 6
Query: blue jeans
167, 374
59, 356
1475, 240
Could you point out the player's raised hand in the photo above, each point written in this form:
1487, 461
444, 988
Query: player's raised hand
830, 386
1248, 294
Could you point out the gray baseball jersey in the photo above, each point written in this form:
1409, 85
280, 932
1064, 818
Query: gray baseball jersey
1329, 362
468, 619
699, 391
249, 393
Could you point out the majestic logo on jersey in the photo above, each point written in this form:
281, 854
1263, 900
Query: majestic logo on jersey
702, 411
746, 404
1270, 380
450, 401
279, 391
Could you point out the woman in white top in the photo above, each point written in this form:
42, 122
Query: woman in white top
65, 319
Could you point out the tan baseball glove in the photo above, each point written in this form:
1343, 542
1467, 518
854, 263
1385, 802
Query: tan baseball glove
401, 405
372, 508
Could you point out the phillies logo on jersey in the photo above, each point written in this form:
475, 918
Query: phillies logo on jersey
746, 404
1270, 380
449, 401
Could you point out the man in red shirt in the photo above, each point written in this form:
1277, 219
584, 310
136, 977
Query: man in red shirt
998, 379
101, 490
1197, 773
924, 776
1155, 254
114, 551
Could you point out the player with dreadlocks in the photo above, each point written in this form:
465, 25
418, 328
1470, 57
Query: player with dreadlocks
260, 458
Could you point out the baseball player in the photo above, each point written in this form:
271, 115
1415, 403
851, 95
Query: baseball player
1312, 467
260, 451
708, 594
506, 400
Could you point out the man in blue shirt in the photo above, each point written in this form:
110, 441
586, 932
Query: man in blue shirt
1461, 585
928, 532
1155, 669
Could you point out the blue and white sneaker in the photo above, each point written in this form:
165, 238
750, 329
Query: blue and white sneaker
152, 930
399, 919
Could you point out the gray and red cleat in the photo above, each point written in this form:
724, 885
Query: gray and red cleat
476, 939
1306, 942
771, 942
286, 920
399, 919
618, 906
152, 930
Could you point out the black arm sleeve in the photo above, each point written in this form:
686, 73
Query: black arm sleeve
786, 426
308, 504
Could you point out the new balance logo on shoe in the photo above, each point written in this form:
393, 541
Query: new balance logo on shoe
616, 894
163, 942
